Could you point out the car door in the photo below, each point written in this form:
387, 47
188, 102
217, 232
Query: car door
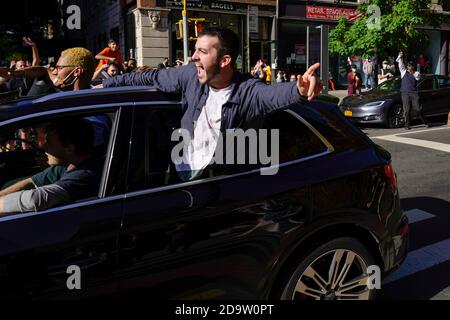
429, 100
214, 237
443, 94
69, 251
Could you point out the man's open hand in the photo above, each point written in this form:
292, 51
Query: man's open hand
28, 42
308, 84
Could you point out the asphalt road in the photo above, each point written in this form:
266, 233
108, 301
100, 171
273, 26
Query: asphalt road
421, 158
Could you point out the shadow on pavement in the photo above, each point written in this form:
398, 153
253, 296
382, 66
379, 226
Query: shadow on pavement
428, 283
432, 205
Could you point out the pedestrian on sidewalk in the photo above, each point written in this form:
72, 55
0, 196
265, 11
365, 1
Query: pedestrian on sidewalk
354, 81
410, 95
330, 80
368, 69
385, 73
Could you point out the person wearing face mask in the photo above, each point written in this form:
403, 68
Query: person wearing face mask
73, 71
354, 81
385, 73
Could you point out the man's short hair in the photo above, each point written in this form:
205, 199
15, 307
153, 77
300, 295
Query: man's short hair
112, 41
78, 132
228, 41
113, 63
410, 64
83, 58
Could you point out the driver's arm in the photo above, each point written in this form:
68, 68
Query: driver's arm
34, 200
18, 186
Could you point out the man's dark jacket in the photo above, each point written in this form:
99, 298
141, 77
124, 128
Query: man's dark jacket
249, 101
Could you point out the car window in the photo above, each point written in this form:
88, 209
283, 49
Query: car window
294, 138
391, 85
426, 84
151, 163
61, 157
150, 157
444, 82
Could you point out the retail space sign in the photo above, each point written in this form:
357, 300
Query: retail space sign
331, 13
252, 15
220, 5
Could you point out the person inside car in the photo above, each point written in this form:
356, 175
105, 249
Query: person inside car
218, 97
68, 143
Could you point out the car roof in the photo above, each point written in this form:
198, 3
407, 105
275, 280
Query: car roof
85, 97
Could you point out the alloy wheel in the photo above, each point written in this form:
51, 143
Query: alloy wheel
396, 117
339, 274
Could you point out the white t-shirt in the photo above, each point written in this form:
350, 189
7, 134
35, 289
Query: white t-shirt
200, 150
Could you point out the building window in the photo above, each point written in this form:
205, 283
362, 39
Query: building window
115, 34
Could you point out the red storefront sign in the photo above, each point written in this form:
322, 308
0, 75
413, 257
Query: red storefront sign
330, 13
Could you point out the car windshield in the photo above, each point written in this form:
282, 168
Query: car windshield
391, 85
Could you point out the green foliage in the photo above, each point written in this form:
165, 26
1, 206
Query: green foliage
399, 19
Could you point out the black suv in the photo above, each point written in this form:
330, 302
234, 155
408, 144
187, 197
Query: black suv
311, 231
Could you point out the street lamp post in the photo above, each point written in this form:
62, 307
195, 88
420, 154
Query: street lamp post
324, 57
185, 33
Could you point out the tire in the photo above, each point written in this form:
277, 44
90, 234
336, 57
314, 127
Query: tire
395, 117
300, 284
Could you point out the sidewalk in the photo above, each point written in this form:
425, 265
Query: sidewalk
338, 93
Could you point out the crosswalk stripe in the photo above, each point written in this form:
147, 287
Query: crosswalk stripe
422, 259
442, 295
412, 132
417, 142
416, 215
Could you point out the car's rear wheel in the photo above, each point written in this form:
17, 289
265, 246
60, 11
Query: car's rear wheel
396, 117
337, 270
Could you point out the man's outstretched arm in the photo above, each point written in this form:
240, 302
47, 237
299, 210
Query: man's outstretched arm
167, 80
266, 99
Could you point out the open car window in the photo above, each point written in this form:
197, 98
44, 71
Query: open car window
54, 151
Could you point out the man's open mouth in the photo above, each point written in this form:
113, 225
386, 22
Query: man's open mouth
200, 70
